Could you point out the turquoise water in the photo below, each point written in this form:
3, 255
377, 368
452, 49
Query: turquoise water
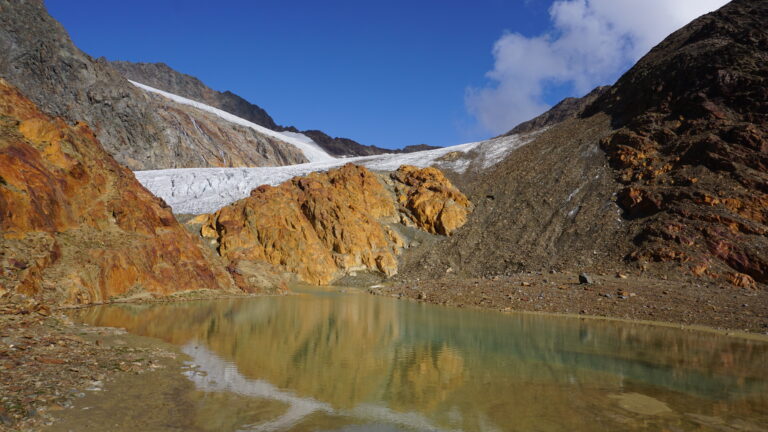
351, 361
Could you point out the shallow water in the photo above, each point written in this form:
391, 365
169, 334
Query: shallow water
352, 362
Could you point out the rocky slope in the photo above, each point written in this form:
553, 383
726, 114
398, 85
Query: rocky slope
196, 138
76, 227
38, 57
325, 225
691, 151
664, 172
163, 77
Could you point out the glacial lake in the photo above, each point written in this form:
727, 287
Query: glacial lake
324, 360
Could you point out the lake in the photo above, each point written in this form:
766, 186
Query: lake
349, 361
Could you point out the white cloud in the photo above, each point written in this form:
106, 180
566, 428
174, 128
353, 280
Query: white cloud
590, 43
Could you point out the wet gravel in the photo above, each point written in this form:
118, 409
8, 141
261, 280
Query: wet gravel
47, 362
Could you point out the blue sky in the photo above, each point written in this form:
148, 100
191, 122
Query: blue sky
384, 73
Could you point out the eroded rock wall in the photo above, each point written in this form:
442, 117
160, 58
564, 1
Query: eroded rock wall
76, 227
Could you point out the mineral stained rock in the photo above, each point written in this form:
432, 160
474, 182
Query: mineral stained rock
691, 149
76, 227
433, 203
325, 225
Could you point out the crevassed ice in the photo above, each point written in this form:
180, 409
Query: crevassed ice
205, 190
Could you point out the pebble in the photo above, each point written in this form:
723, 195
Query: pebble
585, 279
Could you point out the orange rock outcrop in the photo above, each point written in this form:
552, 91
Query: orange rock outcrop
76, 227
433, 203
325, 225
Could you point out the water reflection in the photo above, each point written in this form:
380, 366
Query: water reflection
371, 360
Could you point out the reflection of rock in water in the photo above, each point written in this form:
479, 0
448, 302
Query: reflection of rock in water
213, 374
384, 360
424, 377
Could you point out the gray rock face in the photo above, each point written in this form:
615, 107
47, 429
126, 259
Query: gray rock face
38, 57
163, 77
198, 138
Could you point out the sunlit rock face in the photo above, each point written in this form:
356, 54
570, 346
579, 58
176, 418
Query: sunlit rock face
325, 225
76, 227
433, 203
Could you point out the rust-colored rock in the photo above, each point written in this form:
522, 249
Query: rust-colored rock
433, 203
76, 227
691, 145
325, 225
742, 280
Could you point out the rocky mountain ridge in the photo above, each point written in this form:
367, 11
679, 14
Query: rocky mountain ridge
691, 149
567, 108
141, 132
163, 77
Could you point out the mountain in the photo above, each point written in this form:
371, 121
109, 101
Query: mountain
664, 172
691, 149
163, 77
139, 129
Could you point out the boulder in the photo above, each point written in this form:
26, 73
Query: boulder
433, 203
585, 279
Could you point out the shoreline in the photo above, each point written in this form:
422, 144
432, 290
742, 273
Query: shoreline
49, 362
629, 298
739, 334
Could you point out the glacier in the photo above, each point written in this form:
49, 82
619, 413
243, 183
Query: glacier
205, 190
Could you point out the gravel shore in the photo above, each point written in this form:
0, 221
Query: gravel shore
624, 296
